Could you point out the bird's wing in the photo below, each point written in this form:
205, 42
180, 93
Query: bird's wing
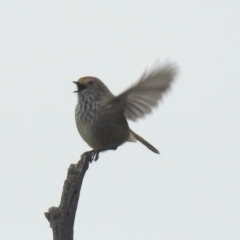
139, 100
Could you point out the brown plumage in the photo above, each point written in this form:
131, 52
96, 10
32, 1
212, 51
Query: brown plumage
101, 117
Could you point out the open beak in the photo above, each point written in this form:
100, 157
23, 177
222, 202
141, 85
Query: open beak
80, 86
76, 84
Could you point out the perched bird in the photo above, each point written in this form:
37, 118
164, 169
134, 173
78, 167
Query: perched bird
101, 118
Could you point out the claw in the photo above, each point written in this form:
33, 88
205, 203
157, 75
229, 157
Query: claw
93, 155
96, 155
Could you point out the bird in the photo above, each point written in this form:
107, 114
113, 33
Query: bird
102, 118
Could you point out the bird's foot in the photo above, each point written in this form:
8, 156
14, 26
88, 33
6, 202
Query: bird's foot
92, 155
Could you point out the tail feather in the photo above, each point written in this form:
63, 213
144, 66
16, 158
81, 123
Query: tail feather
144, 142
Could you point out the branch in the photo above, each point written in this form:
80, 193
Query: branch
62, 218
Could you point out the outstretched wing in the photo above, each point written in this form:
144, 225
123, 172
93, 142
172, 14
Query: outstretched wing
139, 100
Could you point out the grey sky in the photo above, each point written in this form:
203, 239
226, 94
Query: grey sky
191, 191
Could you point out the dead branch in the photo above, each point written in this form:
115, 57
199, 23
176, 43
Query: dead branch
62, 218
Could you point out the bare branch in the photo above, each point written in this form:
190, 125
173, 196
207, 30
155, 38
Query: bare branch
62, 218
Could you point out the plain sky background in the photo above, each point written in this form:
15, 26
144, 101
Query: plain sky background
190, 191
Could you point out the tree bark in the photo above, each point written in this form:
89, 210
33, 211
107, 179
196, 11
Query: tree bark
62, 218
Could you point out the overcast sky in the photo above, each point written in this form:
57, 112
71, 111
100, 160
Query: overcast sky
190, 191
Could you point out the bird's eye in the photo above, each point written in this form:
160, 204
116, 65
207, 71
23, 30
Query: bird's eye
90, 82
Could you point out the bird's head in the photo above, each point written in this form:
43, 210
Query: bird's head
92, 86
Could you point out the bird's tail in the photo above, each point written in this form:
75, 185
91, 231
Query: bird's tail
144, 142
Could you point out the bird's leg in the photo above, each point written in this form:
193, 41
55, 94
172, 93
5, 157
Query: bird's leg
94, 154
91, 155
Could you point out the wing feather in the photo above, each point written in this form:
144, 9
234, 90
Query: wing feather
139, 100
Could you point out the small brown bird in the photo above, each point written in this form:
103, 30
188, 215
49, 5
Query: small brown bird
101, 118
